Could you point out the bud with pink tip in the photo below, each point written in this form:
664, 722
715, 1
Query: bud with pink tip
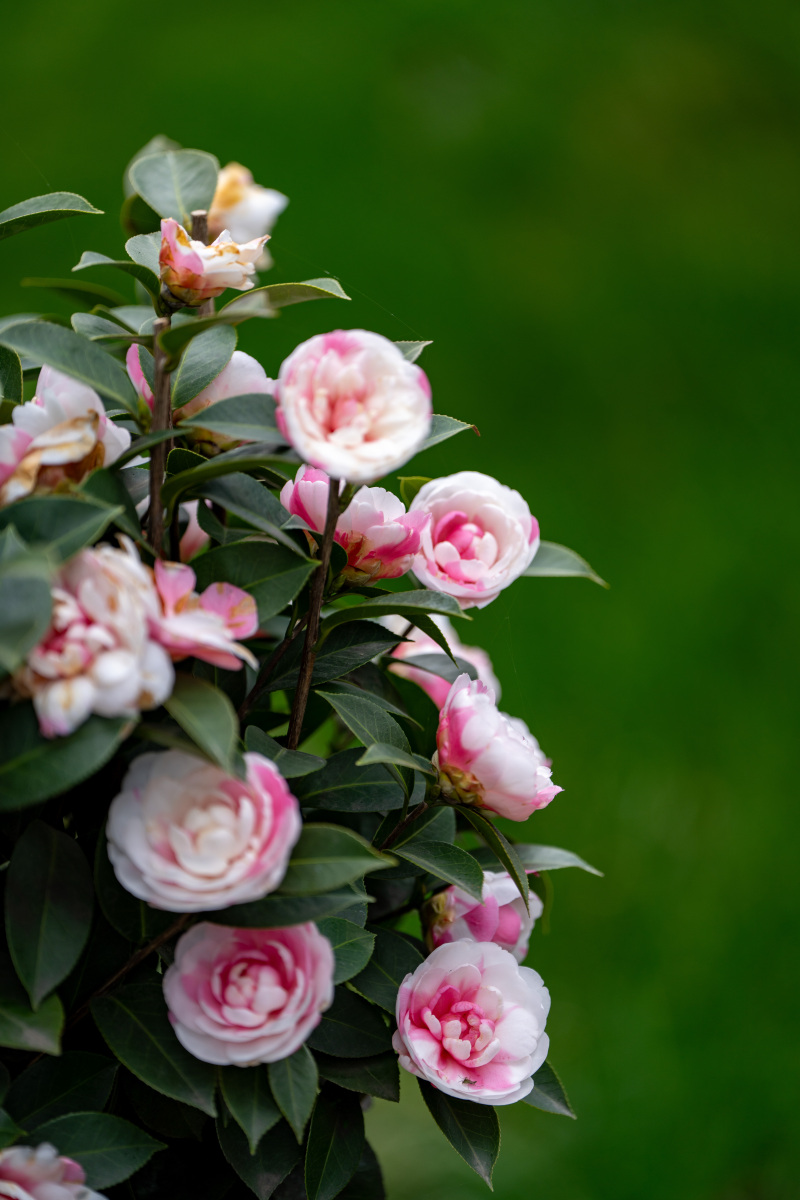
193, 272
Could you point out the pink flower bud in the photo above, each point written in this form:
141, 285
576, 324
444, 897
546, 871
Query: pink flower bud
471, 1021
481, 537
244, 208
248, 996
242, 376
133, 362
186, 837
204, 626
194, 537
500, 917
419, 643
194, 272
40, 1174
487, 758
352, 405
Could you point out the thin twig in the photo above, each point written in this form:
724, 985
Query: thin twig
403, 825
269, 666
200, 234
162, 419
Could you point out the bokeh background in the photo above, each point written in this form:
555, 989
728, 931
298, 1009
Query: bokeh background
592, 209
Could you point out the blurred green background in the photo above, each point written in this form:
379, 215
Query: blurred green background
592, 209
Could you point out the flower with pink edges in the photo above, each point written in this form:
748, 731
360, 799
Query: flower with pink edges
352, 405
60, 435
194, 537
248, 996
97, 655
40, 1173
487, 758
418, 643
245, 208
241, 376
133, 362
481, 538
193, 272
499, 917
186, 837
379, 537
203, 626
471, 1021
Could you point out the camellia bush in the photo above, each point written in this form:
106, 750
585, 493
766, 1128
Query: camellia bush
249, 772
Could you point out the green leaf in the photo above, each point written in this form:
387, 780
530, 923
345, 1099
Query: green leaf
352, 946
375, 1076
500, 846
264, 1171
207, 715
145, 249
247, 1094
9, 1131
148, 278
78, 292
447, 862
40, 210
34, 768
248, 499
62, 524
343, 687
49, 898
100, 329
108, 488
108, 1148
10, 376
135, 1025
156, 145
344, 650
132, 918
410, 485
367, 1182
370, 724
411, 352
201, 364
54, 1087
255, 456
407, 604
441, 665
379, 752
290, 763
275, 911
327, 856
166, 1117
249, 418
351, 1028
5, 1080
443, 428
272, 575
554, 560
392, 959
342, 786
294, 1085
539, 858
77, 357
548, 1093
25, 605
281, 295
20, 1027
335, 1143
175, 340
473, 1130
176, 183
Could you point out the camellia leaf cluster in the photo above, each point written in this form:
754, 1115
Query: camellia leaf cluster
249, 770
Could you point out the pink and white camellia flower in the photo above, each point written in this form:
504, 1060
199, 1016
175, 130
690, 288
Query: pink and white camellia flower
245, 208
41, 1174
378, 535
242, 376
419, 643
204, 626
487, 758
194, 537
194, 272
471, 1021
248, 996
352, 405
133, 361
500, 917
63, 433
98, 655
186, 837
481, 537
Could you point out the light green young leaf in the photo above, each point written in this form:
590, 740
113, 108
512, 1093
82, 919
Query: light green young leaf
443, 428
205, 357
411, 351
207, 715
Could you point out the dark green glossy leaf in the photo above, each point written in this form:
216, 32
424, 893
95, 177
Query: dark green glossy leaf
107, 487
352, 946
548, 1093
262, 1172
248, 499
25, 603
248, 418
175, 340
559, 561
473, 1130
351, 1028
379, 752
411, 351
54, 1087
370, 724
40, 210
164, 1116
446, 862
108, 1148
207, 715
253, 456
293, 1081
275, 911
407, 604
63, 524
248, 1096
176, 182
335, 1143
443, 428
49, 898
78, 292
272, 575
367, 1182
326, 857
539, 858
83, 360
201, 364
20, 1027
100, 329
144, 274
343, 687
500, 846
441, 665
344, 650
392, 959
341, 786
135, 1025
10, 375
132, 918
9, 1131
375, 1076
290, 763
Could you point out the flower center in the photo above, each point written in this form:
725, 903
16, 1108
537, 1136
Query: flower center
466, 1033
463, 548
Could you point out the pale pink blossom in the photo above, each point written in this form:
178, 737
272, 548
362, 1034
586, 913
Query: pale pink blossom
193, 537
245, 208
242, 376
28, 1173
481, 537
351, 405
63, 433
500, 916
133, 361
248, 996
204, 626
194, 272
98, 655
186, 837
487, 758
471, 1021
418, 643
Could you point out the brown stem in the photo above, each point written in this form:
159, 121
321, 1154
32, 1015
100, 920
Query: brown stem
403, 825
266, 671
316, 592
162, 419
200, 234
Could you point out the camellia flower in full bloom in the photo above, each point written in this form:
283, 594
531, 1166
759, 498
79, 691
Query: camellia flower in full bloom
41, 1174
500, 917
379, 537
63, 433
186, 837
471, 1021
248, 996
487, 758
245, 208
351, 405
481, 537
418, 643
98, 655
204, 626
242, 376
193, 272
